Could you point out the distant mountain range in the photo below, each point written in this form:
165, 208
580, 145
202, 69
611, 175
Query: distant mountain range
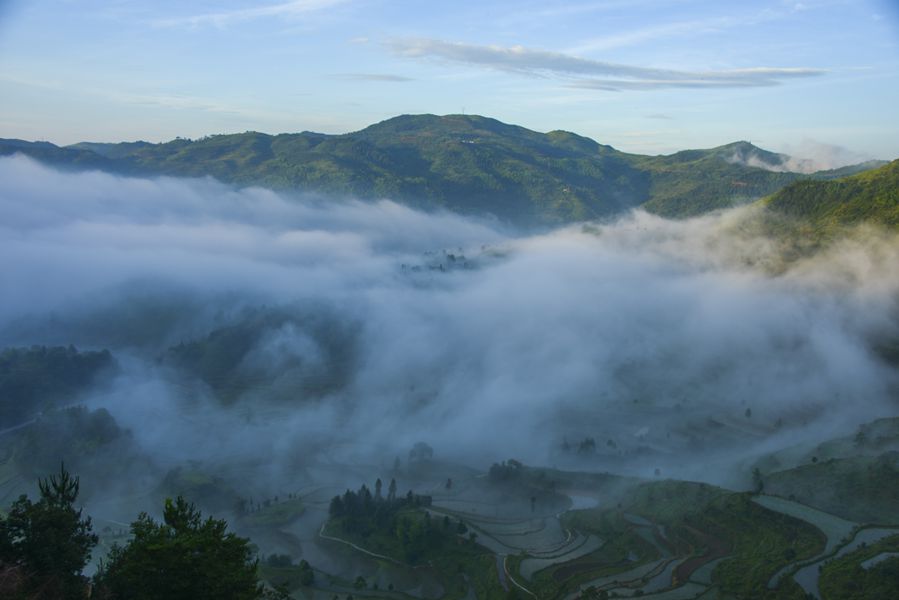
462, 163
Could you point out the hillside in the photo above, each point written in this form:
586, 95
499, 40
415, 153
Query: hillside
822, 207
694, 182
463, 163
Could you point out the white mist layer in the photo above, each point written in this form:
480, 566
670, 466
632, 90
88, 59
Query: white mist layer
638, 332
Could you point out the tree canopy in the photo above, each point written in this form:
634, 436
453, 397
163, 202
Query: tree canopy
185, 557
48, 542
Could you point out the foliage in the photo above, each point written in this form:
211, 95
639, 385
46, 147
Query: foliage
700, 521
504, 471
763, 542
421, 452
392, 522
48, 540
819, 209
275, 514
75, 434
224, 359
861, 488
694, 182
39, 378
848, 576
462, 163
183, 558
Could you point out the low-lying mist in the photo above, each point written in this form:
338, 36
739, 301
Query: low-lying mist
293, 332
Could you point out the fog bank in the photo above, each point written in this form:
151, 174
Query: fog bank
370, 326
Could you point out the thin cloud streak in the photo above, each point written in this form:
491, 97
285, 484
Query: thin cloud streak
630, 38
222, 18
542, 63
385, 77
685, 28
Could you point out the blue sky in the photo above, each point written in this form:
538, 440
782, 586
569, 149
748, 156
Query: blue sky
649, 76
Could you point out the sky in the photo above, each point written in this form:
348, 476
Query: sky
647, 76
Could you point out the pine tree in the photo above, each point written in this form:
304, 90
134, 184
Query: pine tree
49, 540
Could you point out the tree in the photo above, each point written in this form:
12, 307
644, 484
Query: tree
420, 452
758, 484
48, 540
391, 491
307, 575
182, 558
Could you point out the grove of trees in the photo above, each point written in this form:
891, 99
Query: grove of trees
45, 545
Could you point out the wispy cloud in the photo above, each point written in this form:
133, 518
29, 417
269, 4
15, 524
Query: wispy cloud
383, 77
647, 34
221, 18
690, 28
589, 73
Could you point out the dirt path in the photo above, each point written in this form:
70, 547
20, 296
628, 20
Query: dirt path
321, 534
512, 579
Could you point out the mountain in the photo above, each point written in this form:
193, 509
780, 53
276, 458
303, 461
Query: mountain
693, 182
463, 163
822, 207
69, 157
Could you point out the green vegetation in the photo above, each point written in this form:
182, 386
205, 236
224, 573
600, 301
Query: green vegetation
390, 525
183, 558
853, 577
819, 209
403, 529
207, 490
223, 359
463, 163
274, 513
39, 378
75, 434
44, 545
643, 537
763, 542
694, 182
861, 488
693, 524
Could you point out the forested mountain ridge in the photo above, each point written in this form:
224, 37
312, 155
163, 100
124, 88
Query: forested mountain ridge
462, 163
825, 206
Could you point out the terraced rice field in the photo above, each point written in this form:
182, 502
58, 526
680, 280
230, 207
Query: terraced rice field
580, 546
663, 580
717, 549
703, 574
539, 536
808, 576
833, 527
874, 561
632, 576
867, 537
688, 591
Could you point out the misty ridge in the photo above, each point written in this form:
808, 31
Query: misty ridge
294, 330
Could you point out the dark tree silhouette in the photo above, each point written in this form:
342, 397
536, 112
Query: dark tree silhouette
48, 542
182, 558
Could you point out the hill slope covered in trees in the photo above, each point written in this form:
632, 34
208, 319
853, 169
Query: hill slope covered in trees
462, 163
823, 207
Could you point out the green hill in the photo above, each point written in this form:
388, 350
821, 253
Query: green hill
823, 207
463, 163
694, 182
